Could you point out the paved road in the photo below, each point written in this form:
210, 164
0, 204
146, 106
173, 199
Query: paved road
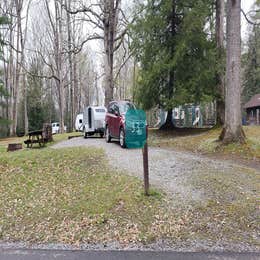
9, 254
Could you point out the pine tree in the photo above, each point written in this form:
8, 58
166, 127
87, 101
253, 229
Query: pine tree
175, 53
40, 104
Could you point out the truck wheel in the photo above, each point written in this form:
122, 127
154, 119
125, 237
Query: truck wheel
108, 137
85, 135
122, 138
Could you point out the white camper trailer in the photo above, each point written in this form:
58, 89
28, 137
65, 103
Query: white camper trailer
94, 120
79, 123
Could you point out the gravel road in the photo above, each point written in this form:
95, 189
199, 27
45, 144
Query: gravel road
168, 169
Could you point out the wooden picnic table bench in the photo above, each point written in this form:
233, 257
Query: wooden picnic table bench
39, 136
34, 137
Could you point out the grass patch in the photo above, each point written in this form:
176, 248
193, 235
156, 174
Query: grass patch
5, 141
70, 196
205, 142
231, 209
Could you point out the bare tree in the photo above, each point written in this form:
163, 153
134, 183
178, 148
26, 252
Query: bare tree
12, 61
109, 19
71, 81
233, 131
8, 7
124, 69
56, 22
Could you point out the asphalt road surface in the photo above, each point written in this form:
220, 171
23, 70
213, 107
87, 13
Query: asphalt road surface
28, 254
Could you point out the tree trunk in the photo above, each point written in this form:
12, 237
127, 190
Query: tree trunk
168, 123
60, 63
10, 81
109, 46
17, 74
220, 11
26, 122
233, 131
111, 9
76, 109
71, 81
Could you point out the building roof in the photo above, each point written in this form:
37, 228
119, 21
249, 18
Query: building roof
253, 102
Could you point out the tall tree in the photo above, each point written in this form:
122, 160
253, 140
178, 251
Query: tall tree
220, 13
3, 92
233, 131
110, 26
58, 66
110, 21
176, 56
14, 57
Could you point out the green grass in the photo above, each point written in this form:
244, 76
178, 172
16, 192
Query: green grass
56, 138
231, 208
72, 196
206, 142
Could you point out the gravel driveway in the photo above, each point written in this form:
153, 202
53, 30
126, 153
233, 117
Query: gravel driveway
169, 170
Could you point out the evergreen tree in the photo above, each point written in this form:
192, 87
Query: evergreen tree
40, 104
252, 60
175, 53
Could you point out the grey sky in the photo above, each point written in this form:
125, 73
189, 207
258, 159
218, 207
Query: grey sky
246, 6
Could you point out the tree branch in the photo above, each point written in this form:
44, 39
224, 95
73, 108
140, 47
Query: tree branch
77, 50
247, 19
84, 9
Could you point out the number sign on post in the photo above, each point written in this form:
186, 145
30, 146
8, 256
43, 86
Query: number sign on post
135, 122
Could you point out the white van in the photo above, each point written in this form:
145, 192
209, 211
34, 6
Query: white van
94, 120
56, 128
79, 123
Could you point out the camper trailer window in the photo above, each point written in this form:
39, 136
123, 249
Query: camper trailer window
100, 110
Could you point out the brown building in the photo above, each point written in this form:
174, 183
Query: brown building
253, 110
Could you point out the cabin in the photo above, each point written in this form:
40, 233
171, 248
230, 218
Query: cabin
252, 108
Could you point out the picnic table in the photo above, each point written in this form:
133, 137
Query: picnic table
35, 137
39, 136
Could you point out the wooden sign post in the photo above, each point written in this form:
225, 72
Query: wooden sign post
136, 137
146, 166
